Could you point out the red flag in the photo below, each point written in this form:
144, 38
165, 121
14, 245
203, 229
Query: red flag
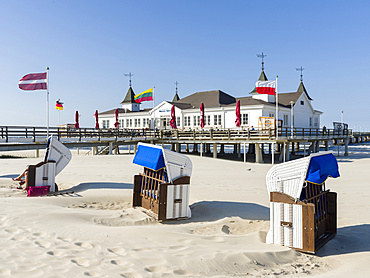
34, 81
173, 117
266, 87
237, 112
202, 115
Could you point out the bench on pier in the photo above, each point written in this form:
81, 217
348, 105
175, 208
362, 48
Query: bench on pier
56, 159
163, 187
303, 213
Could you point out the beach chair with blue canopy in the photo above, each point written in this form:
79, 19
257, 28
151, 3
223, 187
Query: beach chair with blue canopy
57, 157
163, 187
303, 214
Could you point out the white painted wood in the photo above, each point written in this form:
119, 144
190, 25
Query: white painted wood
178, 209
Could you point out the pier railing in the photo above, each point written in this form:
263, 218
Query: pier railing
19, 133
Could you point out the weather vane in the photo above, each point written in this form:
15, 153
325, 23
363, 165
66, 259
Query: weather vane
129, 75
176, 83
262, 56
301, 70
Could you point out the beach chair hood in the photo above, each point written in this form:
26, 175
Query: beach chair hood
56, 151
289, 177
156, 157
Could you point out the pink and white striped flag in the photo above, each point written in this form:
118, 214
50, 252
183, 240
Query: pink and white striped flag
34, 81
266, 87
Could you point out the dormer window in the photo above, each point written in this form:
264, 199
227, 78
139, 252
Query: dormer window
302, 102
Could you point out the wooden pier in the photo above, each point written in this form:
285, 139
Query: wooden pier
245, 141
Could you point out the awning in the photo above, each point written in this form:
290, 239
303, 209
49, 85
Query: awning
321, 167
149, 157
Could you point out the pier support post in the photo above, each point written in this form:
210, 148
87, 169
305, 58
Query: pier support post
116, 150
326, 145
222, 148
317, 146
346, 147
272, 153
293, 148
259, 158
187, 148
135, 148
94, 150
37, 153
287, 151
201, 149
195, 148
173, 147
178, 147
110, 147
214, 150
239, 150
245, 153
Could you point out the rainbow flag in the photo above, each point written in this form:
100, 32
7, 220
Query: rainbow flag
59, 105
144, 96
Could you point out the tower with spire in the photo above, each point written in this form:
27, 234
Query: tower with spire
128, 103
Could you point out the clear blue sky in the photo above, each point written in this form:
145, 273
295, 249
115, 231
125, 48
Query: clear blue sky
204, 45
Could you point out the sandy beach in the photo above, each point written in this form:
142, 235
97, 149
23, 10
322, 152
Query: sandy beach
95, 232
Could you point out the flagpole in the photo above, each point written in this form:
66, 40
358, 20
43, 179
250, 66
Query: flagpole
47, 102
153, 107
277, 109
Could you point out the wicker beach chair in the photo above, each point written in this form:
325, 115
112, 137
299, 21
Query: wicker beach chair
303, 213
163, 187
56, 159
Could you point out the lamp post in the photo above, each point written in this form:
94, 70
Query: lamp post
341, 116
291, 118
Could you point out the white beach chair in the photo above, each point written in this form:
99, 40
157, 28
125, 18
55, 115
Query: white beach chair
56, 159
163, 187
303, 214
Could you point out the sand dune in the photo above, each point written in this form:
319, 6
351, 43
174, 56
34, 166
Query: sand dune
94, 231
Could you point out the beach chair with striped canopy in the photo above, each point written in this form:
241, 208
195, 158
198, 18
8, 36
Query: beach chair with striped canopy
56, 159
163, 187
303, 213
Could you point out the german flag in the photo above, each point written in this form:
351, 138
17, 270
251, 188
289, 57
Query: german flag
59, 105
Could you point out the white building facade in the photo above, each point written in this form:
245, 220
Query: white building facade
219, 111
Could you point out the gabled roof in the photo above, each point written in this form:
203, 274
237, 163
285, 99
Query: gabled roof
130, 96
214, 98
123, 111
176, 97
262, 77
302, 89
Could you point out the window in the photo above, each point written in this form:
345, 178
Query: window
285, 120
271, 115
196, 120
136, 123
244, 119
121, 123
177, 121
316, 122
105, 123
207, 120
129, 123
217, 120
187, 121
302, 102
310, 121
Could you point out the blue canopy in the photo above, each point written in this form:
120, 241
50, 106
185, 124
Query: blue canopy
149, 157
321, 167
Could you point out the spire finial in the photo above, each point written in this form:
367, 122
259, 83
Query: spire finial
262, 56
176, 83
301, 70
129, 76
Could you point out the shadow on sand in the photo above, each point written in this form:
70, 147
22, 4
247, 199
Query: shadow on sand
350, 239
206, 211
98, 185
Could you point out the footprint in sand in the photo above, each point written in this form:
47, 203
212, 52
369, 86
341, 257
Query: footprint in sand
85, 245
157, 269
12, 230
66, 239
117, 250
18, 238
178, 247
42, 243
40, 234
4, 272
121, 262
55, 253
181, 272
131, 275
81, 262
92, 274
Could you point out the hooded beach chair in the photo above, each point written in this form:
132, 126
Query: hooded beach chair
56, 159
303, 214
163, 187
